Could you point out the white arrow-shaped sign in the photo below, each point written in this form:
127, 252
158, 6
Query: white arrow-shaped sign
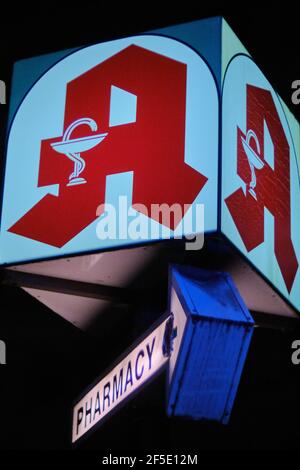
202, 342
142, 363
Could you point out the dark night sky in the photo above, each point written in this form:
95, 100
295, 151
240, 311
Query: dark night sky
45, 351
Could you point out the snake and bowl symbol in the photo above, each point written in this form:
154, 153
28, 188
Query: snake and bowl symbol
254, 160
73, 148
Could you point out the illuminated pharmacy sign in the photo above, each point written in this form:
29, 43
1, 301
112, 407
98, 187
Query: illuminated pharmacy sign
136, 121
203, 339
126, 378
260, 177
118, 119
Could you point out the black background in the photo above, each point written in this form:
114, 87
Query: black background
48, 360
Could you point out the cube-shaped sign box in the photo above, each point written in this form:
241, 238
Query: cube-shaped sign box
215, 333
119, 143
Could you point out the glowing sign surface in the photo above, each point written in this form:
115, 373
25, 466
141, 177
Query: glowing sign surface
129, 375
135, 118
260, 183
